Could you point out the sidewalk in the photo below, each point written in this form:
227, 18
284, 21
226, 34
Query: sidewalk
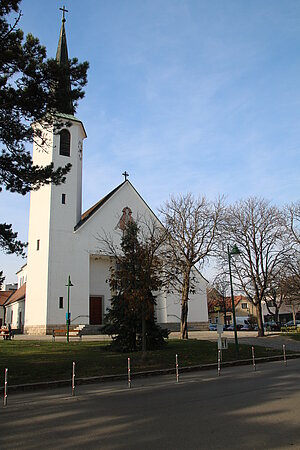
271, 339
201, 335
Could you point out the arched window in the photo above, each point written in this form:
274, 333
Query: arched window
64, 145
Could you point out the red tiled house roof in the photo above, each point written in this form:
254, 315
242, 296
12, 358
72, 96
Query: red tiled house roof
227, 302
19, 294
4, 295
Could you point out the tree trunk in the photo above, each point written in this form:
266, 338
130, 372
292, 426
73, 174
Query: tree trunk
184, 305
184, 315
294, 314
225, 312
259, 320
144, 345
277, 314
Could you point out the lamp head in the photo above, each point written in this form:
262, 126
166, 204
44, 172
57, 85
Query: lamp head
235, 250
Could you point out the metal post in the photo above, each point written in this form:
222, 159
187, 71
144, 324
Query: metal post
233, 305
177, 371
73, 379
284, 355
219, 362
253, 358
129, 377
5, 388
68, 307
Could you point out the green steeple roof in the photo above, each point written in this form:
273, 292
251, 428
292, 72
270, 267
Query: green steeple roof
64, 87
62, 48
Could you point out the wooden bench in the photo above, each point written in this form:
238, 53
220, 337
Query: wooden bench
63, 333
5, 333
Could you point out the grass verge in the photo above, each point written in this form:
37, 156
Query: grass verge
37, 361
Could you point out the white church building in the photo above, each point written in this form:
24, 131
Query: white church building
63, 242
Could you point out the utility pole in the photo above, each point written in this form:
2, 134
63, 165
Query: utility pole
68, 307
233, 251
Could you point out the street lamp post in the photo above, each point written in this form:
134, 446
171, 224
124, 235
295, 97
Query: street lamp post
233, 251
68, 307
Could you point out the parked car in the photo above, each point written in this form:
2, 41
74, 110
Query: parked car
247, 327
231, 327
291, 323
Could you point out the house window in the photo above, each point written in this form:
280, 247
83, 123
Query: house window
63, 199
65, 141
61, 302
38, 244
244, 305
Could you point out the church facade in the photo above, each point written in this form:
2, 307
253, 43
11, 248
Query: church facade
63, 242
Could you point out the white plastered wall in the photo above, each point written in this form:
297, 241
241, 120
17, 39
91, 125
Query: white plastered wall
52, 223
67, 257
104, 222
99, 280
37, 260
13, 313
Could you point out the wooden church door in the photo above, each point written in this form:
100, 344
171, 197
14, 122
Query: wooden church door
95, 310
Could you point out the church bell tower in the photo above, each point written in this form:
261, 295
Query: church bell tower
54, 210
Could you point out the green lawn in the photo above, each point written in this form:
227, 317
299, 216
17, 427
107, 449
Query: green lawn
33, 361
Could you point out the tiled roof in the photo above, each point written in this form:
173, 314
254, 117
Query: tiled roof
212, 303
20, 270
4, 295
19, 294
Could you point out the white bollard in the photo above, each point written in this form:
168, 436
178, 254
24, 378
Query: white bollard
253, 359
5, 388
73, 379
177, 370
129, 376
219, 362
284, 355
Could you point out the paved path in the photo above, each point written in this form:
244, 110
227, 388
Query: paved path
273, 340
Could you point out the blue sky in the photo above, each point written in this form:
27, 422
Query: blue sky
186, 95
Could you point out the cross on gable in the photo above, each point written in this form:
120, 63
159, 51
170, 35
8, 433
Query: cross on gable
125, 174
64, 10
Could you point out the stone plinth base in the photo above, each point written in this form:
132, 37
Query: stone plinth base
35, 329
192, 326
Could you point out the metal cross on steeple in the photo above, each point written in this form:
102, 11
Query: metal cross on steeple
64, 10
125, 174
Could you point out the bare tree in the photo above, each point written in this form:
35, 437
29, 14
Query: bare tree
278, 293
292, 221
219, 294
257, 228
292, 288
192, 225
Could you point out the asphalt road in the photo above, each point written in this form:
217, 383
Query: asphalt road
241, 409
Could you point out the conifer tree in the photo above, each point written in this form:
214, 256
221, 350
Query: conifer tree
30, 91
134, 278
